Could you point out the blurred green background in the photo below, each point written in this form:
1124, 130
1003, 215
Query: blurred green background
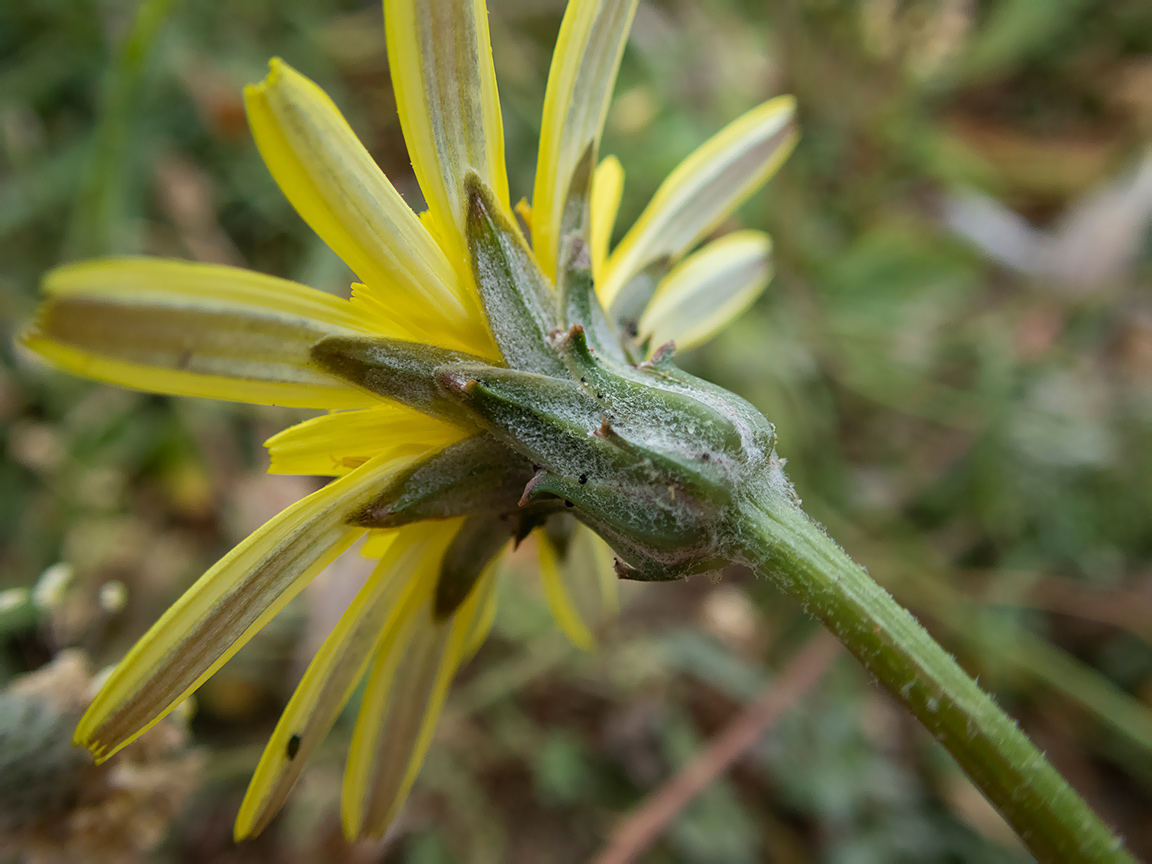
956, 350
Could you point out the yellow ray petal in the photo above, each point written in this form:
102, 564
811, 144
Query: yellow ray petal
445, 85
583, 73
708, 290
524, 211
409, 679
331, 678
607, 190
193, 330
338, 189
377, 542
336, 443
559, 600
406, 317
703, 190
226, 606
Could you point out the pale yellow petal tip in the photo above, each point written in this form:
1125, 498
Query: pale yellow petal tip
787, 102
784, 109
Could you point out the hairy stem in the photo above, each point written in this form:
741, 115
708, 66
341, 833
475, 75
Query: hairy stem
778, 540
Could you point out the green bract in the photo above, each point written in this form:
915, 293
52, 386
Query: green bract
646, 455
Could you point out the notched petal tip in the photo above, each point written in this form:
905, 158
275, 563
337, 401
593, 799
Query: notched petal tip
82, 738
259, 89
28, 339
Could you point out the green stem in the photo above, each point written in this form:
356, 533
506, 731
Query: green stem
779, 541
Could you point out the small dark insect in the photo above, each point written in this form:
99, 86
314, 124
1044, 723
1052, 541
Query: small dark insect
583, 479
293, 746
599, 395
705, 456
583, 380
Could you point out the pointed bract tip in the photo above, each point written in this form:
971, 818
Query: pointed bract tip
623, 571
577, 255
661, 355
476, 195
530, 487
453, 382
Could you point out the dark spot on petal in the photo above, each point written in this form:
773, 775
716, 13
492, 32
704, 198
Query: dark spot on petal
599, 395
583, 479
583, 380
293, 746
633, 329
705, 456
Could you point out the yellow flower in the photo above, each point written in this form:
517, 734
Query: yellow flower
423, 483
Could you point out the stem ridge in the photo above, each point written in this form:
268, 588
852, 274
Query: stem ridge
779, 541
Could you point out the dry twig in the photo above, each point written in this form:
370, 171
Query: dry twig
644, 825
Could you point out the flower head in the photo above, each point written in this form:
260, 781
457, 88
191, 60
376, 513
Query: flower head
487, 378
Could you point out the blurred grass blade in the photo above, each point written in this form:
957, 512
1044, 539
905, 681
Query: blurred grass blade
47, 184
1060, 671
99, 220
